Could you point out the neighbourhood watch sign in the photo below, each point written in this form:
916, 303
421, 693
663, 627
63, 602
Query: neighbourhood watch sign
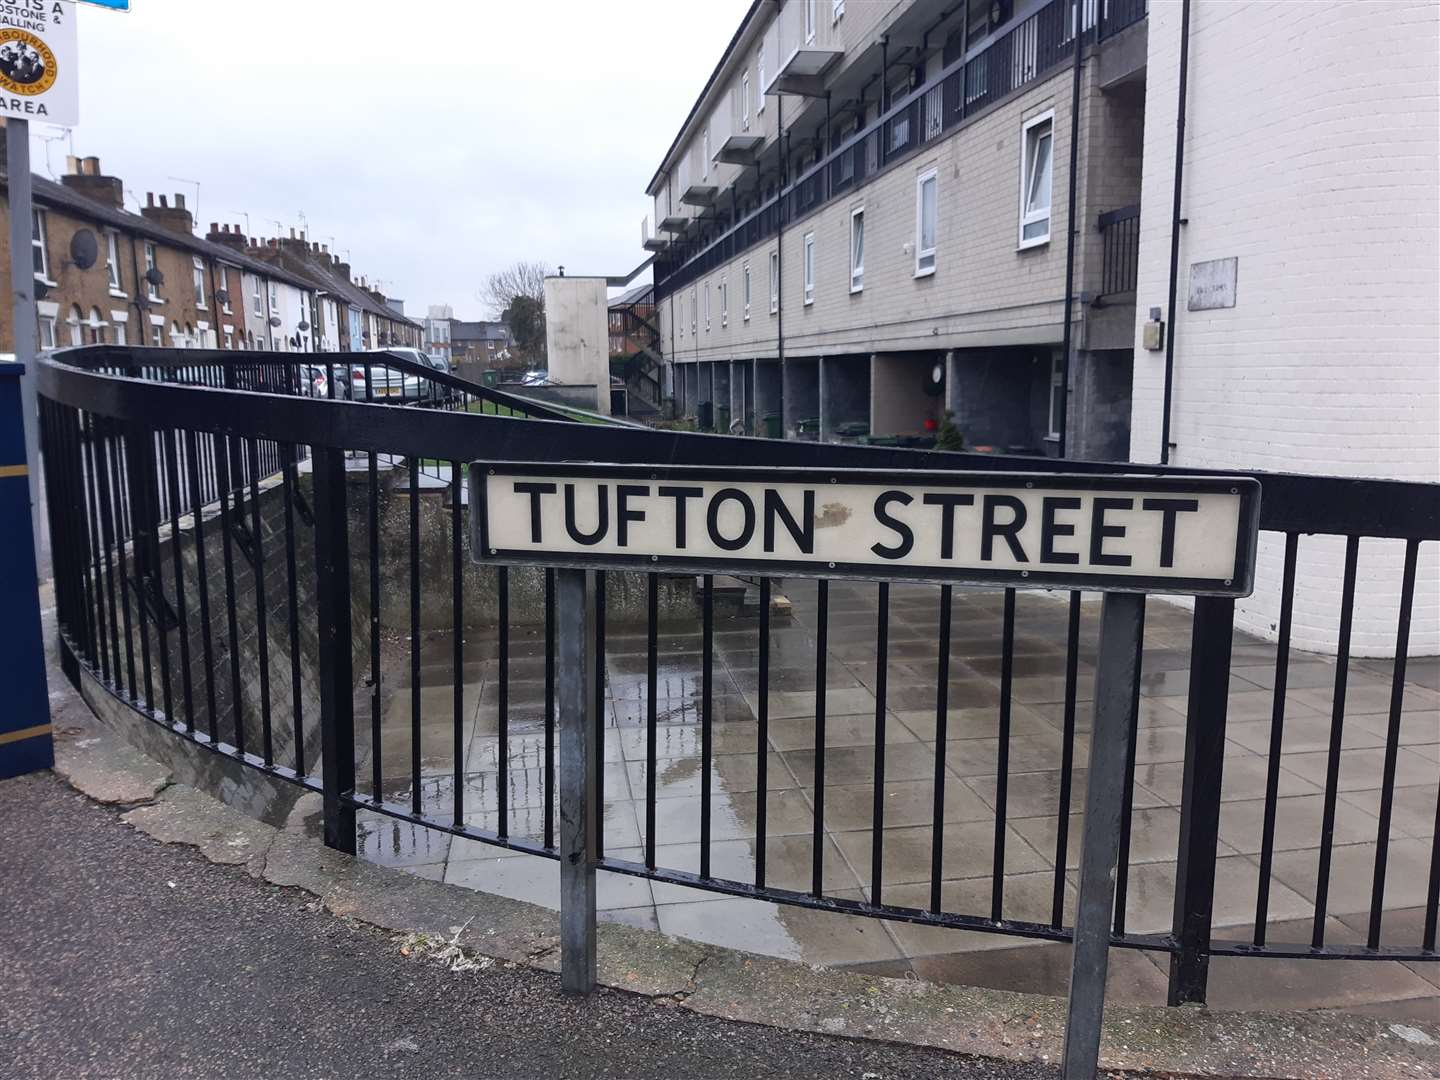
38, 61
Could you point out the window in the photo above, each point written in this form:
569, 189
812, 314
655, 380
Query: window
76, 323
724, 302
112, 259
705, 153
707, 307
809, 20
808, 268
225, 288
745, 101
694, 313
199, 281
121, 338
258, 309
176, 336
47, 331
838, 9
157, 333
1057, 394
745, 290
774, 282
274, 297
1035, 174
760, 80
857, 249
151, 289
229, 337
925, 194
96, 327
39, 244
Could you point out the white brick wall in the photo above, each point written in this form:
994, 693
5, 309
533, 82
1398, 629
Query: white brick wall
1312, 155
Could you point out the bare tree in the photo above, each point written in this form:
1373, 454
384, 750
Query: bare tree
520, 279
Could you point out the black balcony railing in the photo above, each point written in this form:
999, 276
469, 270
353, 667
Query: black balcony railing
1029, 51
1119, 250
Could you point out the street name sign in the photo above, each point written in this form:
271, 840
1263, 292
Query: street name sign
1108, 533
39, 59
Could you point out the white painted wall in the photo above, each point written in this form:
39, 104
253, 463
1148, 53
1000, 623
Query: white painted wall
577, 334
1312, 155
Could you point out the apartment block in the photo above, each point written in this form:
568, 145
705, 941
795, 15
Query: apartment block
863, 225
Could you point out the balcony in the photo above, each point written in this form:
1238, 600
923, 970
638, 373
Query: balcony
803, 72
1032, 49
649, 242
699, 193
673, 223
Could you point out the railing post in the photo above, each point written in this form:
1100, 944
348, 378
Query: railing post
1121, 621
337, 682
579, 762
1200, 797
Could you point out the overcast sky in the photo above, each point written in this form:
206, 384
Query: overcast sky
437, 141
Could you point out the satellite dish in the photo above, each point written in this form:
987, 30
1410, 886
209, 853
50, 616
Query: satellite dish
274, 320
935, 380
223, 295
303, 326
84, 249
154, 276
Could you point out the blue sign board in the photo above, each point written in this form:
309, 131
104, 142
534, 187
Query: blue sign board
113, 5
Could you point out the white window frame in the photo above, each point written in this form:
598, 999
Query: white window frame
47, 332
257, 309
705, 153
152, 259
706, 290
837, 9
745, 270
810, 21
924, 268
75, 319
857, 265
122, 336
724, 302
40, 241
774, 282
1057, 381
112, 261
807, 268
225, 288
694, 314
745, 101
760, 80
1027, 164
199, 266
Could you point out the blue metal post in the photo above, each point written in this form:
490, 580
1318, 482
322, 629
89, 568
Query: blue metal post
25, 735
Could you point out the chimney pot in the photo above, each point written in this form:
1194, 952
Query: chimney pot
179, 201
90, 166
72, 164
149, 198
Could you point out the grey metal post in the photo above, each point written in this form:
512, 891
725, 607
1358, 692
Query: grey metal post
22, 296
1120, 628
579, 764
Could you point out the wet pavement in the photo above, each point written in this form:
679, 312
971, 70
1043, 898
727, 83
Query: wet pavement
971, 766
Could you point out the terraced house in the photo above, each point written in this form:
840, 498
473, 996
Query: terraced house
863, 223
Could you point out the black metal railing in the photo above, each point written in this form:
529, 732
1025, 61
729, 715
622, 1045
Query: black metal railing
246, 612
1000, 67
1119, 250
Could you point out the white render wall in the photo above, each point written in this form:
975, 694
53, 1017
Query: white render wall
1311, 154
577, 334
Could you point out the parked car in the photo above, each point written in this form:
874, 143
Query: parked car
314, 381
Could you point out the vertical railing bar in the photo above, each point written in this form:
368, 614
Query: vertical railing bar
502, 581
100, 548
942, 739
549, 707
457, 635
377, 780
224, 477
1277, 736
822, 633
267, 741
288, 479
171, 456
1337, 722
652, 685
140, 534
1002, 767
1067, 759
413, 466
762, 734
1127, 805
882, 674
1392, 740
707, 666
599, 717
154, 516
117, 503
207, 646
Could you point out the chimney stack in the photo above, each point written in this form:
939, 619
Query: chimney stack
175, 219
83, 176
224, 234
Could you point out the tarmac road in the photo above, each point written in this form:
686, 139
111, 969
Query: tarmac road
121, 957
